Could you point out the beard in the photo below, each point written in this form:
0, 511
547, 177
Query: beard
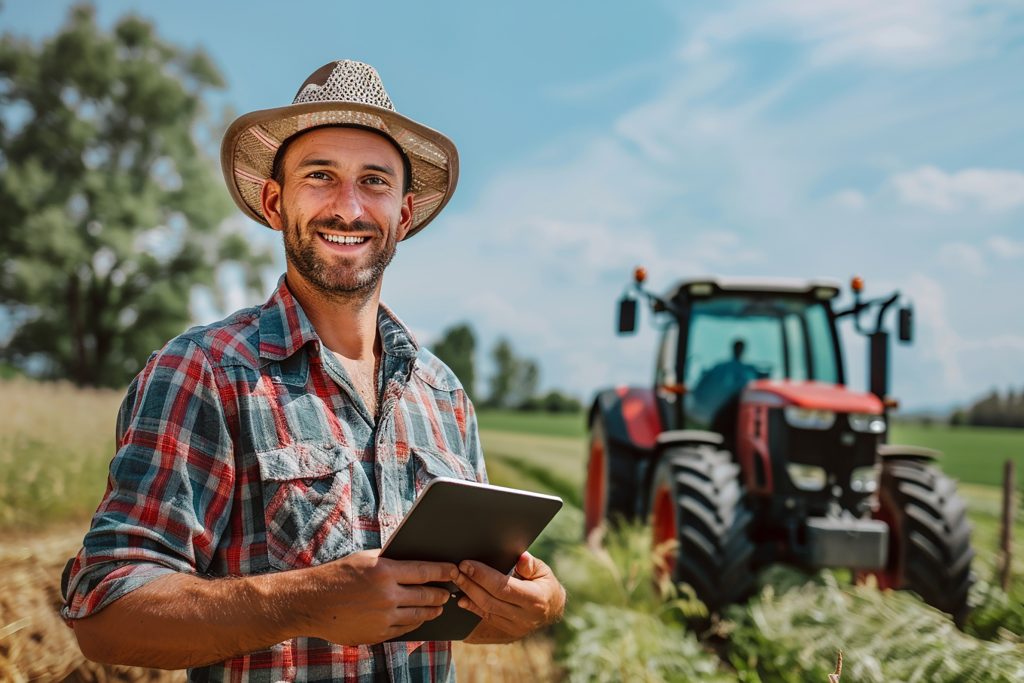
338, 277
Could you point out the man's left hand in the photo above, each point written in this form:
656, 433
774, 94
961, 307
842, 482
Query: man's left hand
511, 606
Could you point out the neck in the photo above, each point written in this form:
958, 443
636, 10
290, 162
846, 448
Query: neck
346, 323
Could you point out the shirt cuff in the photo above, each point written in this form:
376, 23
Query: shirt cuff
100, 585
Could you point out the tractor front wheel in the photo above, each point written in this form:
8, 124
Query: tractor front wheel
698, 501
930, 549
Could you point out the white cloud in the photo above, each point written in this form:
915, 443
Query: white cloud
987, 189
850, 199
716, 174
962, 257
1004, 247
910, 32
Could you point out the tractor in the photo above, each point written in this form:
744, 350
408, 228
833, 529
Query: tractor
749, 449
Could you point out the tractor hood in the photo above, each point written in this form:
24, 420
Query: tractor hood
811, 395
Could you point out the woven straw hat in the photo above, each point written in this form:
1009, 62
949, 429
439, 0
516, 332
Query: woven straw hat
338, 93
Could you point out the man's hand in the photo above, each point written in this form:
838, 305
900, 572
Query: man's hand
511, 606
364, 599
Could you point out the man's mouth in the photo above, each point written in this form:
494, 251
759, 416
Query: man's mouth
343, 239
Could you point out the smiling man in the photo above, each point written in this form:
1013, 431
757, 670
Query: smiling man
263, 460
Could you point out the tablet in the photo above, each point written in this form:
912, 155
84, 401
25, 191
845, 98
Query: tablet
454, 520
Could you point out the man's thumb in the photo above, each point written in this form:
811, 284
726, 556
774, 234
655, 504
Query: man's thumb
528, 566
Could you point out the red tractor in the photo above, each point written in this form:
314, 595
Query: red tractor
749, 448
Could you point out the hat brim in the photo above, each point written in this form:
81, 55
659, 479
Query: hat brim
252, 140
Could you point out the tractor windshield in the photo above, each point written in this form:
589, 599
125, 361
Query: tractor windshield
735, 339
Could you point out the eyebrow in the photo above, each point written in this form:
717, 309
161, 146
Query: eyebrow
381, 168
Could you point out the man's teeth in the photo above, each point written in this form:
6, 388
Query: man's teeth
343, 239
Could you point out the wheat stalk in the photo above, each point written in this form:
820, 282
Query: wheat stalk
834, 677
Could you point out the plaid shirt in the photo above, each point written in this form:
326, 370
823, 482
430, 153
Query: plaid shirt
244, 448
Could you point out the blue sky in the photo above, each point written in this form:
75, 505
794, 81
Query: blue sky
784, 138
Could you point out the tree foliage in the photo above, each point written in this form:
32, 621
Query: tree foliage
993, 410
456, 348
110, 211
515, 379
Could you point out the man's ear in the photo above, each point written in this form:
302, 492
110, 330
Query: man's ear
405, 219
270, 201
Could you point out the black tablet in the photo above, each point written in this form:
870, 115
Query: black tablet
454, 520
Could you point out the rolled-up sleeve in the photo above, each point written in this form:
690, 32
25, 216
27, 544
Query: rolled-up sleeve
169, 492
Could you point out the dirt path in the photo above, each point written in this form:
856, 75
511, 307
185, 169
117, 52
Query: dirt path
35, 645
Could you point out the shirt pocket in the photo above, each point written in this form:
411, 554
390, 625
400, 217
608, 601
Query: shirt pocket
308, 503
431, 463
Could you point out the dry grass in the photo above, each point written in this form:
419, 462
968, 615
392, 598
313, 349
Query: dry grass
35, 645
56, 442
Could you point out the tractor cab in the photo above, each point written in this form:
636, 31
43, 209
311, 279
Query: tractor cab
738, 332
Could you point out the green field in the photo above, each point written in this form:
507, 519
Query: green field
56, 441
974, 455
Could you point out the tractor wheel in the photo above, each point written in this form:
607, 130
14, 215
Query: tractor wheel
697, 499
612, 481
930, 549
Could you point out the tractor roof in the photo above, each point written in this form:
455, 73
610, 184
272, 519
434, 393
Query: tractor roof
818, 287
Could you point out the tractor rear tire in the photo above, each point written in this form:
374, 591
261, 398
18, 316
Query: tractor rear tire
930, 548
613, 482
698, 500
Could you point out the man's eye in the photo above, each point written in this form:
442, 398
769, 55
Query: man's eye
376, 180
319, 175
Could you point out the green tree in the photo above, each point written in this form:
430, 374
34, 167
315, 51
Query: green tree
456, 348
501, 382
110, 210
515, 379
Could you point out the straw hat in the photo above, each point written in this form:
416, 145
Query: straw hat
338, 93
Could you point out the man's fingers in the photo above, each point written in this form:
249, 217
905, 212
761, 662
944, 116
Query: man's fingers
491, 580
423, 596
411, 617
485, 601
424, 572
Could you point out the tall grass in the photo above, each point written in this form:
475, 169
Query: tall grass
56, 442
621, 625
790, 632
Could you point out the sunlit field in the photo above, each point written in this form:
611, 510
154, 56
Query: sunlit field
56, 442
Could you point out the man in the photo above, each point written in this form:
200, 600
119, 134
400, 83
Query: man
263, 460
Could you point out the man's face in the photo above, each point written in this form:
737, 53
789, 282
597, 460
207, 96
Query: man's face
341, 208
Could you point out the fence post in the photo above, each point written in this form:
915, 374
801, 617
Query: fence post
1006, 538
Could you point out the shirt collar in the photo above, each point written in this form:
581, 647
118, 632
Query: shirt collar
284, 328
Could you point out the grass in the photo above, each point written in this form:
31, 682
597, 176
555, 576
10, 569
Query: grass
56, 442
539, 423
973, 455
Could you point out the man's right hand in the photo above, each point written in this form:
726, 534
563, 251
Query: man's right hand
364, 598
357, 600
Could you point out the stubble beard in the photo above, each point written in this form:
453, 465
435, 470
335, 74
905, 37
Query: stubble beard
340, 280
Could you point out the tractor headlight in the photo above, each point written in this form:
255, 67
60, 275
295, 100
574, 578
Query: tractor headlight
806, 477
865, 479
867, 423
805, 418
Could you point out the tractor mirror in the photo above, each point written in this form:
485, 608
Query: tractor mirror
627, 315
906, 324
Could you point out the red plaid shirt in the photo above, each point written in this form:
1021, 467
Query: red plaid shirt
244, 448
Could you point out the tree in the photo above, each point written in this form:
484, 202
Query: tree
110, 211
504, 374
456, 348
515, 379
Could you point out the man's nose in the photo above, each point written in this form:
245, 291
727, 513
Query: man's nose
347, 205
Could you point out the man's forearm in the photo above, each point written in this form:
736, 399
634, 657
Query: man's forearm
182, 620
